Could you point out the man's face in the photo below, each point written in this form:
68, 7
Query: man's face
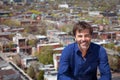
83, 39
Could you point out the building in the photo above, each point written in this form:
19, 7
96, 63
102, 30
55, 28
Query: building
63, 6
58, 50
4, 13
28, 1
49, 72
7, 72
42, 39
21, 43
53, 45
51, 75
16, 30
24, 22
107, 35
94, 13
26, 61
56, 60
100, 42
95, 27
61, 37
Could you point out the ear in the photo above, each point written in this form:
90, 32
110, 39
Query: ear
75, 38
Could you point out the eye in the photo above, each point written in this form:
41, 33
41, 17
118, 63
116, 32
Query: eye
87, 35
80, 36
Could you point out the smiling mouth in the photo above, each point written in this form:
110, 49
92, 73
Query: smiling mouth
84, 43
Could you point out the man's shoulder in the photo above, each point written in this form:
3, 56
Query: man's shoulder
68, 50
72, 45
96, 46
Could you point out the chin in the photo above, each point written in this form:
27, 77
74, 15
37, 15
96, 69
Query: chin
84, 47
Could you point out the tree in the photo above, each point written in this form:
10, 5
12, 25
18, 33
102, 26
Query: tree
110, 45
17, 59
32, 42
26, 31
46, 55
66, 27
35, 65
11, 23
31, 72
40, 75
35, 12
10, 44
114, 61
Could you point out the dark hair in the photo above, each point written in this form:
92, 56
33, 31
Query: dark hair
82, 25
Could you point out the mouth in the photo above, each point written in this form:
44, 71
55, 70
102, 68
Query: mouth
84, 45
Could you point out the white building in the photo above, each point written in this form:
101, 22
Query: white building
94, 13
100, 42
42, 39
20, 41
51, 75
27, 60
63, 6
56, 60
17, 37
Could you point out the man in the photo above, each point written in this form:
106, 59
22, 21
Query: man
80, 60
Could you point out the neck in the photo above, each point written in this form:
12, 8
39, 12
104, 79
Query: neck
84, 51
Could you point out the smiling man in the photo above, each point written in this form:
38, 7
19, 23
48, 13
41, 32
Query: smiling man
80, 60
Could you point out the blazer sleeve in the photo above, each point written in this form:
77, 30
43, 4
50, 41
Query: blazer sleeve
104, 68
64, 72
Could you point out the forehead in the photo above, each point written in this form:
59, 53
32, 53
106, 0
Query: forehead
83, 31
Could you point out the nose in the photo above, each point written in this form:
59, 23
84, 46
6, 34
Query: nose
83, 38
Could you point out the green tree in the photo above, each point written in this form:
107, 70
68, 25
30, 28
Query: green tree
17, 60
36, 66
118, 49
11, 36
27, 30
40, 75
66, 27
31, 72
11, 23
32, 42
110, 45
10, 45
35, 12
46, 55
114, 62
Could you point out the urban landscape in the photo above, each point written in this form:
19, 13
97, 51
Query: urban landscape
33, 34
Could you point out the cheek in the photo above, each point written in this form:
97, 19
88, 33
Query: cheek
88, 39
77, 39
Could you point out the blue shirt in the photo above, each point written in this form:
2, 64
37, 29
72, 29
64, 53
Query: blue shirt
74, 67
